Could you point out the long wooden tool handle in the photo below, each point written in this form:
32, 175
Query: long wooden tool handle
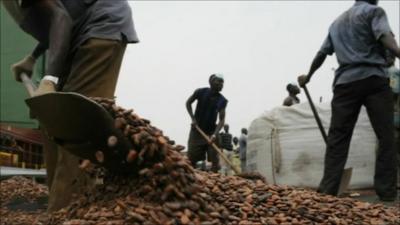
219, 151
30, 87
321, 127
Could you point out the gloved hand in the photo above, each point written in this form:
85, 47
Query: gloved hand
303, 80
24, 66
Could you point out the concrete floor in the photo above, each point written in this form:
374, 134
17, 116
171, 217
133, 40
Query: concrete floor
370, 196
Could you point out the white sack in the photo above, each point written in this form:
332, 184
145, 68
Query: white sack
286, 146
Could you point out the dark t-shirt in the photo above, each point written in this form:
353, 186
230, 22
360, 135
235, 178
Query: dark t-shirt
225, 141
208, 106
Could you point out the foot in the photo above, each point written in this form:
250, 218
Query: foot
45, 87
387, 199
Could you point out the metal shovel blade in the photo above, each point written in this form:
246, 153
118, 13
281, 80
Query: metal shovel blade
345, 181
81, 126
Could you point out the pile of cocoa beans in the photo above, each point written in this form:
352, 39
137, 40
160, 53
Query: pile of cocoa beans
21, 187
148, 144
220, 200
167, 190
20, 190
19, 217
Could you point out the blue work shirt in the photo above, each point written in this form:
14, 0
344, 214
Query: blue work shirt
102, 19
354, 37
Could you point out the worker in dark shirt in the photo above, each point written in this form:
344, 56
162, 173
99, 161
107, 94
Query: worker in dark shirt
225, 143
211, 105
86, 41
225, 139
359, 37
292, 99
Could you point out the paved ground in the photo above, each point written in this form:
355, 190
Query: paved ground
370, 196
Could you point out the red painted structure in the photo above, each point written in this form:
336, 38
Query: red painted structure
21, 147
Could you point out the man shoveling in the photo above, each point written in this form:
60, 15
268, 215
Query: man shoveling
211, 105
86, 41
359, 38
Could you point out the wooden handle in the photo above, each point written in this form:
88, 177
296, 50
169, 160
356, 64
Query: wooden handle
321, 128
219, 151
30, 87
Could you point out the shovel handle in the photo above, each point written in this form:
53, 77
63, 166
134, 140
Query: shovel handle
320, 126
218, 150
29, 85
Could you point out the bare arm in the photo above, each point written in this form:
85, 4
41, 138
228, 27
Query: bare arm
189, 102
390, 43
39, 50
26, 64
319, 59
59, 35
221, 121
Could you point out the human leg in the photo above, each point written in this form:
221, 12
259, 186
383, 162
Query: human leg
229, 170
379, 106
196, 150
94, 73
243, 165
68, 180
51, 157
346, 104
223, 165
213, 157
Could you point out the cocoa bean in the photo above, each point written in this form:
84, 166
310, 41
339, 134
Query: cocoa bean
99, 156
165, 189
112, 141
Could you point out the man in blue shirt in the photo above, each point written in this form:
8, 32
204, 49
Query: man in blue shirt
210, 105
359, 37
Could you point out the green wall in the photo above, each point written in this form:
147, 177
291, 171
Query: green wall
15, 44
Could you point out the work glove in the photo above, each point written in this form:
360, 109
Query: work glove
303, 80
24, 66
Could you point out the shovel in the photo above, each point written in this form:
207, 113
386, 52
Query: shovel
79, 125
251, 176
346, 176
